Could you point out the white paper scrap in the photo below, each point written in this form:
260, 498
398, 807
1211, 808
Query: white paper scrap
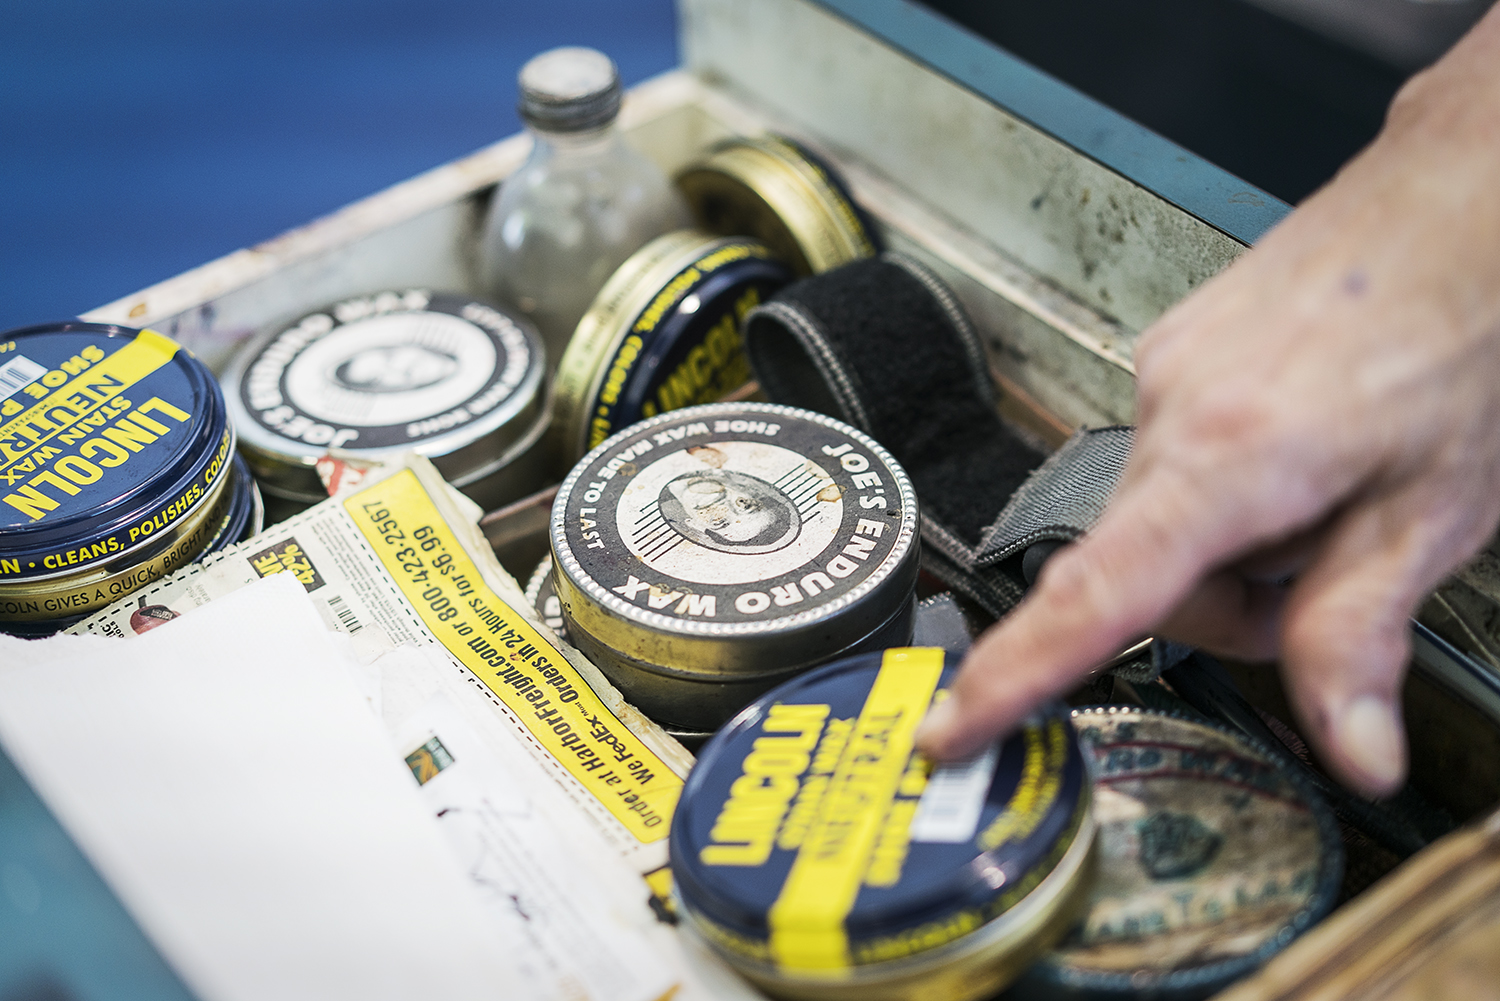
568, 919
230, 783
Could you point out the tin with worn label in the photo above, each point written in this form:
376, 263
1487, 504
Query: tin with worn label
709, 553
780, 192
115, 460
823, 858
1212, 858
459, 381
663, 333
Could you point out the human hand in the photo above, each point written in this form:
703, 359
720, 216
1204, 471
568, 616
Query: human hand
1324, 412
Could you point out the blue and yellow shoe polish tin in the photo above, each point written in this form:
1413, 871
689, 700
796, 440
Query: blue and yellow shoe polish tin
780, 192
247, 511
663, 333
452, 378
708, 554
823, 858
1212, 858
116, 462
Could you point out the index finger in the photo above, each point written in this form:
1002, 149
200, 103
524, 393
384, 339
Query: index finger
1161, 535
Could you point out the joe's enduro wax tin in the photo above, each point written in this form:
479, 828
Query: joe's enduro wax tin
1213, 857
709, 553
115, 467
663, 333
780, 192
459, 381
824, 859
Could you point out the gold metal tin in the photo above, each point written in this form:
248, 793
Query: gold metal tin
776, 191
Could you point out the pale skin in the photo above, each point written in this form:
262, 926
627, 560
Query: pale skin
1318, 447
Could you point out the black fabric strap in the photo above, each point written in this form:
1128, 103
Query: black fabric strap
883, 344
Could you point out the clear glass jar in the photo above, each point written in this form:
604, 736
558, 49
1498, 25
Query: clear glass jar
583, 201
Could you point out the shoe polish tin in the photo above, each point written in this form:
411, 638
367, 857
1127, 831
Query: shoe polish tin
778, 191
541, 594
115, 465
709, 553
824, 859
459, 381
663, 333
1213, 857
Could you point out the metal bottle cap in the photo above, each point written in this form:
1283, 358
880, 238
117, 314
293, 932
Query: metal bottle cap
571, 89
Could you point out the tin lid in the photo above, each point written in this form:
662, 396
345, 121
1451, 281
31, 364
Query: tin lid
810, 840
1212, 858
734, 538
780, 192
458, 380
109, 438
570, 89
663, 333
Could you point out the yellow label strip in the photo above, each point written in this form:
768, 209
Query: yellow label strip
514, 661
807, 919
96, 385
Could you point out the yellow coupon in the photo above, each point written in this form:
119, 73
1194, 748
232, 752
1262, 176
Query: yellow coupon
512, 659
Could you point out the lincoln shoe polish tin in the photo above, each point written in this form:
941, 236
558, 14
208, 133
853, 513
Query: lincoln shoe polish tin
822, 858
1213, 857
663, 333
709, 553
115, 467
459, 381
778, 191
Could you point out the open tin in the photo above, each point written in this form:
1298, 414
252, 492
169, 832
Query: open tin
813, 852
778, 191
1213, 857
459, 381
707, 554
663, 333
116, 461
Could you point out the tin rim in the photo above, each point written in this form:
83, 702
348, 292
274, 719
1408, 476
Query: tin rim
462, 455
1211, 977
161, 558
195, 458
609, 619
820, 221
984, 961
606, 324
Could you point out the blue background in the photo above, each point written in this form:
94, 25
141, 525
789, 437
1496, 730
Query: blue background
140, 139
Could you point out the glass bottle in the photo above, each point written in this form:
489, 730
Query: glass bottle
581, 203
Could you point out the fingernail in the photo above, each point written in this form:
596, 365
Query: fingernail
1370, 735
939, 718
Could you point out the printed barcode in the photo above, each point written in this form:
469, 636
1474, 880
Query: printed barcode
344, 614
954, 798
18, 373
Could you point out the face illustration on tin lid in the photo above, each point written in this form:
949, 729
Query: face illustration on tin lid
395, 368
730, 512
